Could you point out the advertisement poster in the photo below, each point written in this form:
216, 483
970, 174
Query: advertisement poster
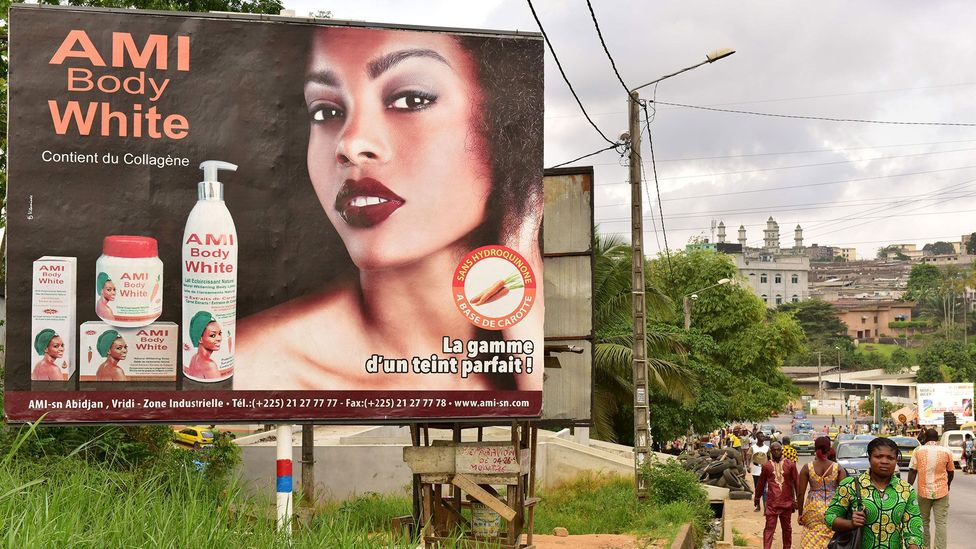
223, 218
935, 399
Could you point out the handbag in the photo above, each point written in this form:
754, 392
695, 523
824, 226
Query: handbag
850, 539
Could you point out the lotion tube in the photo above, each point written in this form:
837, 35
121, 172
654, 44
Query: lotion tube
209, 282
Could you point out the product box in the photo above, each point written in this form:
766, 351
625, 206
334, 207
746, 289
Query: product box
54, 294
110, 353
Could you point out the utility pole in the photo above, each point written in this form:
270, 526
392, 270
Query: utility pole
686, 303
308, 465
642, 424
819, 378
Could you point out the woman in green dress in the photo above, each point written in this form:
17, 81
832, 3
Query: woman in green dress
888, 512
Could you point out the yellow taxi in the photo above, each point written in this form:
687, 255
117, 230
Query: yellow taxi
832, 432
803, 443
906, 447
198, 437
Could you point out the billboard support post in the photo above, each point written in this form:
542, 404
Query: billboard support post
308, 465
642, 434
284, 479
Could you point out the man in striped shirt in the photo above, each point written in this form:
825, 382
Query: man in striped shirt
932, 465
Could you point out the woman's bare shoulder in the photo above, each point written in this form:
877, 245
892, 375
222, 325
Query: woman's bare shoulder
273, 343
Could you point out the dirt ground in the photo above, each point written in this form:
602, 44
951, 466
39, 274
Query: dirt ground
594, 541
749, 524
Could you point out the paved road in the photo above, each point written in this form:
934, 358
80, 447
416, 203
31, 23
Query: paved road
962, 498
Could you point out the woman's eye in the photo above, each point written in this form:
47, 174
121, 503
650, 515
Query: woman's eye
324, 113
411, 101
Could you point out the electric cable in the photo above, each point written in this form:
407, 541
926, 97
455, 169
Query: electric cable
821, 118
614, 146
657, 187
605, 49
563, 73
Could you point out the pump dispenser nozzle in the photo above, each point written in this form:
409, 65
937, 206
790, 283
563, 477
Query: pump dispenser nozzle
211, 188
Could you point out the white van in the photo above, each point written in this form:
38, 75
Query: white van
954, 440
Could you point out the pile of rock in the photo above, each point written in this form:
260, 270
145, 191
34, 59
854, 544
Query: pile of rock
720, 467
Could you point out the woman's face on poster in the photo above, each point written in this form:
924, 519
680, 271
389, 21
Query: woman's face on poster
119, 350
211, 338
393, 153
108, 291
55, 348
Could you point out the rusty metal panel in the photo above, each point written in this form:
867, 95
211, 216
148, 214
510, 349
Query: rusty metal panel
568, 223
569, 296
567, 240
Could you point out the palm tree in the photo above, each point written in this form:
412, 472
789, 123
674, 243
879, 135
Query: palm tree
612, 360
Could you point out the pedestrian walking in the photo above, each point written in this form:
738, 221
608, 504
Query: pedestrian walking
760, 455
932, 465
789, 452
778, 481
881, 504
817, 483
967, 448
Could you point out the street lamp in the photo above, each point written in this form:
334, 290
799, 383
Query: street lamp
693, 296
642, 423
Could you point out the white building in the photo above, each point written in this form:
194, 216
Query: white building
776, 279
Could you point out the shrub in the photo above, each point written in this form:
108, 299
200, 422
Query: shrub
669, 484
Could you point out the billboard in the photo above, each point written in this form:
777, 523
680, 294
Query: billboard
935, 399
233, 218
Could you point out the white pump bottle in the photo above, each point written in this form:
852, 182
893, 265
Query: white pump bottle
209, 282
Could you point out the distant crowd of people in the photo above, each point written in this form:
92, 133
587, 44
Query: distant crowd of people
885, 511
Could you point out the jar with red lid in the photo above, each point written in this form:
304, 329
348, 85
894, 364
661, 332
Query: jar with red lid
129, 281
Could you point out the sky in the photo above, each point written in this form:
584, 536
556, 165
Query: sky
850, 184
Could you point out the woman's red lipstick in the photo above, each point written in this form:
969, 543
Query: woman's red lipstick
366, 202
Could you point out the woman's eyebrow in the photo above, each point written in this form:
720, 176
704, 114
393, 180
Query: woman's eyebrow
323, 77
385, 62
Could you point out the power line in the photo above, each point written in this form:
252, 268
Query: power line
657, 187
607, 51
614, 146
815, 165
796, 98
563, 73
822, 118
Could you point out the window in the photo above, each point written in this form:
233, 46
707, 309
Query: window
752, 274
795, 298
763, 278
765, 298
875, 320
779, 300
795, 279
864, 320
779, 278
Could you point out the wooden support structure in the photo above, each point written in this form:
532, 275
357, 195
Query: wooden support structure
475, 469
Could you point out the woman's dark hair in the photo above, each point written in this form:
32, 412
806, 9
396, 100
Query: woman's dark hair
879, 442
822, 447
509, 73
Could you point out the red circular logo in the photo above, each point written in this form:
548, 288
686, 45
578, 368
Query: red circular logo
494, 287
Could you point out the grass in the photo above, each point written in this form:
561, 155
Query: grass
606, 505
738, 539
69, 502
885, 349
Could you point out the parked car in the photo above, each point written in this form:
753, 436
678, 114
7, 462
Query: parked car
906, 445
799, 414
803, 443
803, 427
852, 455
954, 440
198, 437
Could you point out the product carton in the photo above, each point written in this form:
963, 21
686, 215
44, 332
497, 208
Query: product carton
54, 296
143, 354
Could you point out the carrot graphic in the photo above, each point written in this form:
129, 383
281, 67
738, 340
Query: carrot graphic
89, 354
497, 290
155, 290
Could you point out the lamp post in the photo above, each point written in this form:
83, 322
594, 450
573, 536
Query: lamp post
687, 299
642, 424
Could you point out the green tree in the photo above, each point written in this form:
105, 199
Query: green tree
891, 252
971, 244
613, 392
939, 248
866, 407
900, 361
750, 347
946, 362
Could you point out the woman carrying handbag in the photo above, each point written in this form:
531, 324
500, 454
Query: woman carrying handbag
875, 510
